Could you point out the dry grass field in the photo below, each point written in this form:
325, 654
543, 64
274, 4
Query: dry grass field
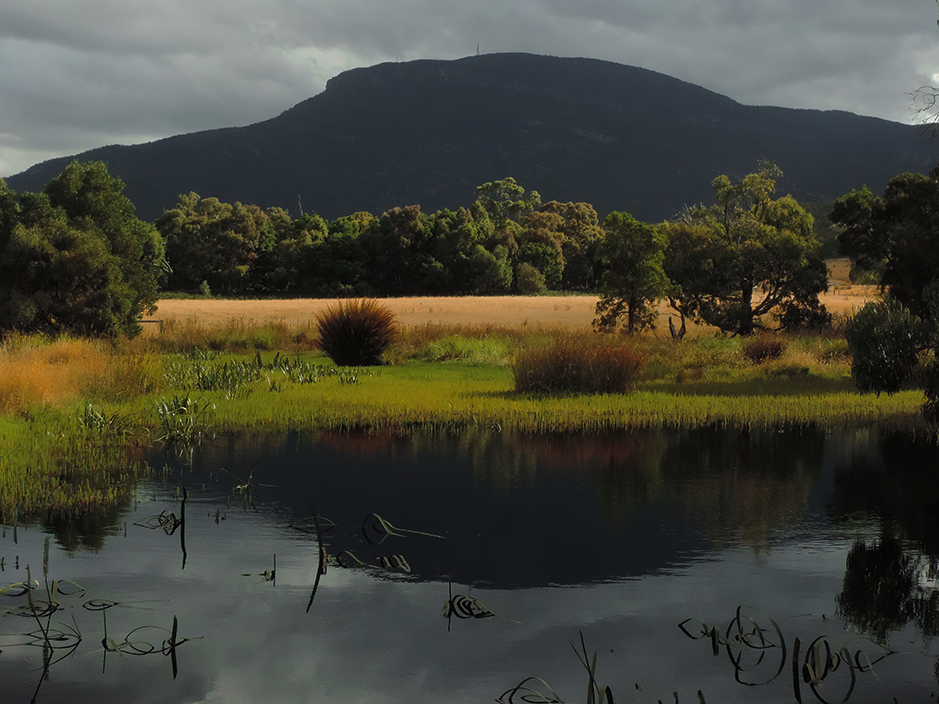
572, 312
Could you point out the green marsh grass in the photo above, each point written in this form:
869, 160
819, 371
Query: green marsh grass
697, 382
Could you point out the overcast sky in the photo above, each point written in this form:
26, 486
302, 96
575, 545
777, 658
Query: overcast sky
79, 74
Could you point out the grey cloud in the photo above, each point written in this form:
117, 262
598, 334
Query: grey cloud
106, 71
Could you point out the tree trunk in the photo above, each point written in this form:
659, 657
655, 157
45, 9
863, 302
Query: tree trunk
745, 326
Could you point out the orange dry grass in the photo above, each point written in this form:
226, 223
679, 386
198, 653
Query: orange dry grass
35, 372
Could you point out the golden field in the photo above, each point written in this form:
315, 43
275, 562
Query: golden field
570, 312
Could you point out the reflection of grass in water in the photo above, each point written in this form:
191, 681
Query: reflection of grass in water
465, 607
378, 530
753, 635
752, 640
131, 645
375, 530
526, 690
58, 641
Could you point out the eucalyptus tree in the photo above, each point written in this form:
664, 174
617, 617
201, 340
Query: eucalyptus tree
76, 258
745, 256
895, 235
632, 254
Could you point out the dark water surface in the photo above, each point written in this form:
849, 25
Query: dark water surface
798, 557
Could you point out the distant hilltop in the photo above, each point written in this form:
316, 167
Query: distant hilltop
428, 132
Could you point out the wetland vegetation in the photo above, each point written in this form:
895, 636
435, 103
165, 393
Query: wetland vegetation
77, 412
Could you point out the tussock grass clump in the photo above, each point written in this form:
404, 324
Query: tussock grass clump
356, 333
576, 364
759, 349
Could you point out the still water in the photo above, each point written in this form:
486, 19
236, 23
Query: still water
793, 565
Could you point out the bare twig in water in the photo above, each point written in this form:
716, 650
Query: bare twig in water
321, 566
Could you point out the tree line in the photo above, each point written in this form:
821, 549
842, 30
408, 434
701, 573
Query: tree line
727, 264
506, 242
76, 257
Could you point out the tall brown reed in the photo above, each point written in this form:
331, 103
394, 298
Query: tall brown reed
576, 363
762, 348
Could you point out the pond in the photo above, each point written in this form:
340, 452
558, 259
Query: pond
794, 565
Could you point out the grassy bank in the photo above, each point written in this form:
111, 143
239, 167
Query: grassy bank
72, 412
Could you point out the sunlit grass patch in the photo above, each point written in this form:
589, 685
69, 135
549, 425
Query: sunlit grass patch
460, 348
36, 371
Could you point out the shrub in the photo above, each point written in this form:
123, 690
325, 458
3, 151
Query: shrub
886, 341
529, 280
575, 364
762, 348
356, 333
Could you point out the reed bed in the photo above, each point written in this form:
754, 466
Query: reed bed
69, 473
577, 363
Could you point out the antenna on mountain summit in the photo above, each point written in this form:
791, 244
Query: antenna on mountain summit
477, 49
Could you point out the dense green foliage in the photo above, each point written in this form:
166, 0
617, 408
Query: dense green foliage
892, 348
886, 341
746, 256
896, 236
75, 257
632, 254
507, 241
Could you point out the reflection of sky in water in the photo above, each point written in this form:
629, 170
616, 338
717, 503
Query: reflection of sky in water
372, 639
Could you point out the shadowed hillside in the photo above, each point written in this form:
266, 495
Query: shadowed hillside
428, 132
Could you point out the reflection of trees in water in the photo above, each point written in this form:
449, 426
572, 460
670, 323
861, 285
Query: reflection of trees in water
625, 466
892, 581
743, 483
895, 480
887, 586
739, 483
88, 531
878, 594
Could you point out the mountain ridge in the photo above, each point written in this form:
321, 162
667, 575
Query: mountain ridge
575, 129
